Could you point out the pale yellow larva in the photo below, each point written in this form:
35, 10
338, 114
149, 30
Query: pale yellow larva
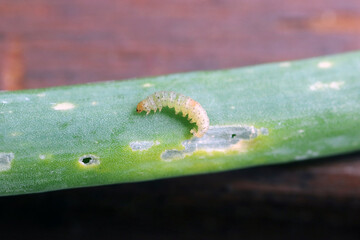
181, 103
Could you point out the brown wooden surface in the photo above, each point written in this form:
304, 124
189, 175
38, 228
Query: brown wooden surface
59, 42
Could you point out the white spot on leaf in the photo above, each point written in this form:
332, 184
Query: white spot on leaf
285, 64
142, 145
63, 106
322, 86
336, 85
14, 134
325, 64
308, 154
146, 85
5, 161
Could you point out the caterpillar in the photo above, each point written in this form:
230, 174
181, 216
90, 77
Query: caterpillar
195, 112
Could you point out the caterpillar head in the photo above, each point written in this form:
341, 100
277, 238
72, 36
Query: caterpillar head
140, 107
197, 134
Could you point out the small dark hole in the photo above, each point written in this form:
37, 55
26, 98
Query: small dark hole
86, 160
89, 160
233, 135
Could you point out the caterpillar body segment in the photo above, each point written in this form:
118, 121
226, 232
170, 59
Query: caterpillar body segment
195, 112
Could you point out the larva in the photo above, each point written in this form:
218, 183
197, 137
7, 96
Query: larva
181, 103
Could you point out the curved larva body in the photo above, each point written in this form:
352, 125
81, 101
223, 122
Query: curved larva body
181, 103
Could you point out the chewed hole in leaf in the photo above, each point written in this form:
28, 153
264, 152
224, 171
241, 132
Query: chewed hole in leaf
89, 159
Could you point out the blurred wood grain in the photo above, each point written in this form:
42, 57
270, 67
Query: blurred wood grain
61, 42
13, 69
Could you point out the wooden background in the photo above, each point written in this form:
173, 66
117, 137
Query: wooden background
60, 42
